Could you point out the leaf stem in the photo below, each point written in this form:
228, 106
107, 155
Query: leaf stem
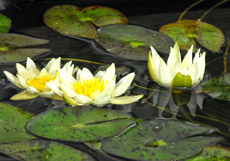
207, 12
186, 10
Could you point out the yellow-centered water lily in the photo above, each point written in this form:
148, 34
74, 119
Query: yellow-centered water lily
34, 81
98, 90
175, 73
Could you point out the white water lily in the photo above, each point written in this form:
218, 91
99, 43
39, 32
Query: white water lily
34, 81
187, 73
98, 90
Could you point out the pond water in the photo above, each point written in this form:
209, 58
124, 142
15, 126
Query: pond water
158, 102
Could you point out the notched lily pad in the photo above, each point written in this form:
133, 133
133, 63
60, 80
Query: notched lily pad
159, 140
212, 153
12, 124
12, 47
132, 42
5, 24
79, 22
218, 87
78, 124
38, 150
187, 32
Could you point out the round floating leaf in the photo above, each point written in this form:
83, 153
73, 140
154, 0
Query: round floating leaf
12, 124
159, 140
11, 50
101, 16
187, 32
5, 24
74, 21
132, 42
37, 150
78, 124
212, 153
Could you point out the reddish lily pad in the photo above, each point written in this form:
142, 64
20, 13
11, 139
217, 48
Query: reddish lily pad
41, 150
79, 22
5, 24
187, 32
12, 48
131, 41
159, 140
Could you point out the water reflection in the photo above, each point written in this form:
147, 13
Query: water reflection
173, 101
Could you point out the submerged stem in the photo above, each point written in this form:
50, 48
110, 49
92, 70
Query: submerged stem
225, 58
207, 12
186, 10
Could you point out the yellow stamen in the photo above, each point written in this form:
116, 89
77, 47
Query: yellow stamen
88, 87
39, 83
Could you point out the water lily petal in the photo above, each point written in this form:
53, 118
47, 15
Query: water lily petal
46, 94
165, 77
68, 91
85, 75
23, 72
24, 95
31, 67
22, 82
123, 85
187, 62
193, 72
54, 88
55, 66
12, 78
153, 64
174, 60
100, 75
201, 64
32, 90
69, 100
101, 100
49, 64
66, 79
109, 73
82, 99
125, 99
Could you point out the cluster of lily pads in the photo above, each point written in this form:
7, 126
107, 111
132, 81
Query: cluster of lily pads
34, 137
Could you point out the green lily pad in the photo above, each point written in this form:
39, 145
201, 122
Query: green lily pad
12, 47
5, 24
37, 150
12, 124
187, 32
218, 87
159, 140
78, 124
212, 153
132, 42
79, 22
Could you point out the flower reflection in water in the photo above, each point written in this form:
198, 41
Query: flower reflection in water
174, 101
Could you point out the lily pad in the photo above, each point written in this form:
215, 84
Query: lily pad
5, 24
12, 47
12, 124
212, 153
187, 32
159, 140
78, 124
38, 150
79, 22
218, 87
132, 42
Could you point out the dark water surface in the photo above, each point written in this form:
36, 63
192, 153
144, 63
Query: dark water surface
189, 106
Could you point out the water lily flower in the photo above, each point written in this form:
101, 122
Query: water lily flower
175, 73
33, 81
98, 90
